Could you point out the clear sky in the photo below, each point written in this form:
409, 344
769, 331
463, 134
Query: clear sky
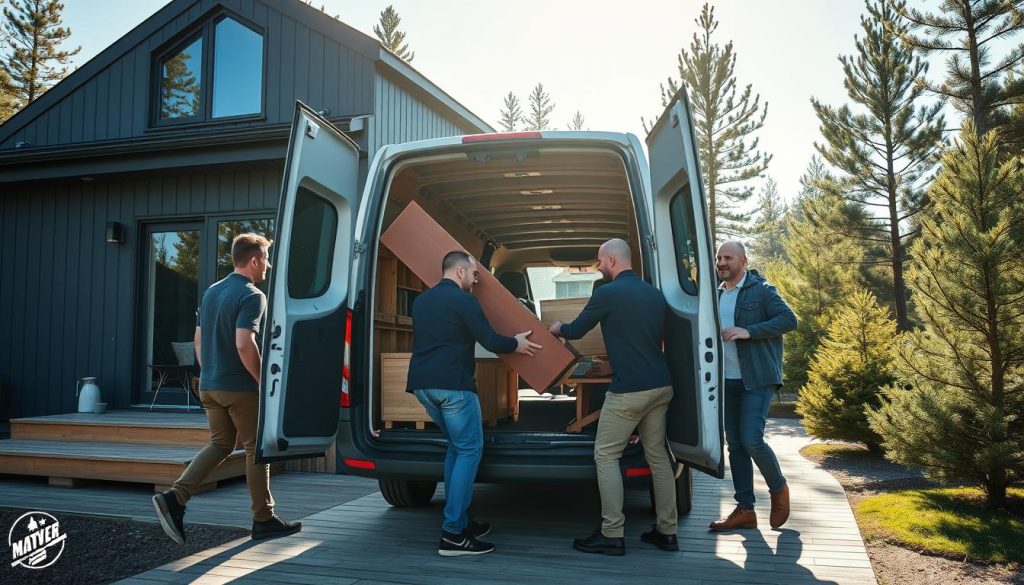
603, 58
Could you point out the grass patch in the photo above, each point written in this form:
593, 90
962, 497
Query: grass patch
836, 452
950, 522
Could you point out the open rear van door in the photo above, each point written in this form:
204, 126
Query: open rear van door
686, 269
304, 345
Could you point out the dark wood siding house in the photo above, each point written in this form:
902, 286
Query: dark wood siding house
121, 186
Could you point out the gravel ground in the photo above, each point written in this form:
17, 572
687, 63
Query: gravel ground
102, 550
863, 475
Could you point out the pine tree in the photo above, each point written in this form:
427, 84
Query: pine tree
725, 125
511, 114
577, 121
969, 31
8, 105
540, 109
392, 38
179, 88
770, 225
886, 150
959, 411
822, 269
854, 362
35, 62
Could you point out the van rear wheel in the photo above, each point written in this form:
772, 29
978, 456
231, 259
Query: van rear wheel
407, 493
684, 492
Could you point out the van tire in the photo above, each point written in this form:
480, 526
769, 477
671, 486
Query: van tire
407, 493
684, 492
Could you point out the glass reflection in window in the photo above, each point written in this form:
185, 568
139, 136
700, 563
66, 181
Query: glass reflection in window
181, 76
237, 70
226, 233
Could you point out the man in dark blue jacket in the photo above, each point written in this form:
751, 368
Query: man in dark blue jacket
447, 323
753, 317
632, 317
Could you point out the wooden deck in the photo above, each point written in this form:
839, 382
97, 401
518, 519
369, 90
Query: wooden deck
365, 541
296, 495
121, 426
130, 446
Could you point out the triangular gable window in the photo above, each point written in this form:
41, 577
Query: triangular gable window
214, 74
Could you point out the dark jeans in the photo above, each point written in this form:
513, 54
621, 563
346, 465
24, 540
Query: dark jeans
457, 414
745, 414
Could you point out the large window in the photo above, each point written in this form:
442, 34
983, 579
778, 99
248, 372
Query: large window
188, 92
181, 77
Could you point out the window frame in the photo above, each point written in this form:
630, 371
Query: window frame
206, 31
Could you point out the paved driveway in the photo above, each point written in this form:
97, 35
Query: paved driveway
365, 541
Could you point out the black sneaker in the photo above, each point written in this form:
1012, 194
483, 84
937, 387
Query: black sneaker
477, 529
171, 515
598, 543
276, 526
457, 545
667, 542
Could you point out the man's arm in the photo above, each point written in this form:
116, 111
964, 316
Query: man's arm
597, 307
781, 318
247, 324
480, 327
248, 352
197, 342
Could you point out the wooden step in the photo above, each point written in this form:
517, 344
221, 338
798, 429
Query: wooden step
123, 426
159, 465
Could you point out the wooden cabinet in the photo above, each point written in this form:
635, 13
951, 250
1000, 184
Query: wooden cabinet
496, 387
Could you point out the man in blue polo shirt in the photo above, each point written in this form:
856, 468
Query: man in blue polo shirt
632, 317
447, 323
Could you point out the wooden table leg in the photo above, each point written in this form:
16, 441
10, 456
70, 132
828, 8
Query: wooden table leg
583, 415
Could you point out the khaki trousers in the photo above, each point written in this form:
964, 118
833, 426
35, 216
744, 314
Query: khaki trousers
230, 414
644, 411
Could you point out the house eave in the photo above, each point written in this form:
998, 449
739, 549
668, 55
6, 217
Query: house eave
210, 147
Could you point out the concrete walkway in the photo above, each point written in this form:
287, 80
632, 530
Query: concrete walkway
367, 542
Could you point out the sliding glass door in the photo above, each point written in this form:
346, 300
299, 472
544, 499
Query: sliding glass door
181, 260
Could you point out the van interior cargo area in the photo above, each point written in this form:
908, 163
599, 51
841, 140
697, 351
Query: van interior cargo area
512, 208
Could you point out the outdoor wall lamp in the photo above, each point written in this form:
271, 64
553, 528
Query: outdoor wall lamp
115, 233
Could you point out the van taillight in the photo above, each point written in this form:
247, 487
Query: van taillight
500, 136
637, 471
345, 400
359, 463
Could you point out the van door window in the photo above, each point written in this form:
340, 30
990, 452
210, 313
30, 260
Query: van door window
311, 250
685, 242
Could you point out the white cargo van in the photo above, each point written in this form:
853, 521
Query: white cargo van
520, 201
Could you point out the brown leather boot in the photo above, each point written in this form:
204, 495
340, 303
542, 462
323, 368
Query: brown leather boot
738, 518
780, 508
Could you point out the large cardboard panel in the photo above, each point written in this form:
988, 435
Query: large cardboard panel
421, 244
566, 311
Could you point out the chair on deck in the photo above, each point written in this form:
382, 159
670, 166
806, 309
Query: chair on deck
185, 354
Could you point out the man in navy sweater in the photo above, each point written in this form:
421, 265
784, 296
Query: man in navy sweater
632, 317
447, 323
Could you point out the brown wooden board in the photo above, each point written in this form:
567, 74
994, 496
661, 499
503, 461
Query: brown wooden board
421, 244
566, 311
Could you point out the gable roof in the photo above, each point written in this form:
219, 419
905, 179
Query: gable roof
301, 12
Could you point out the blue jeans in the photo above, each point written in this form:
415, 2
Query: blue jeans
457, 414
746, 411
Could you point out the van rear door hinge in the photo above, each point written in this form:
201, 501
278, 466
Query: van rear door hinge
358, 248
651, 242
